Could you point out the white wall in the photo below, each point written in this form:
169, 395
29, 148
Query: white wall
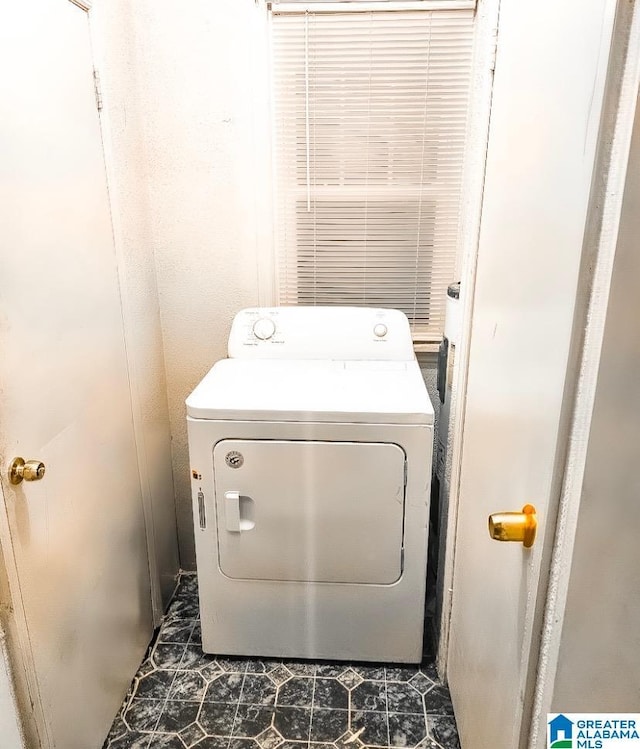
599, 658
187, 79
123, 118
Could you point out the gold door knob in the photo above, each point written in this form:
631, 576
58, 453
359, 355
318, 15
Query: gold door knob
31, 470
514, 526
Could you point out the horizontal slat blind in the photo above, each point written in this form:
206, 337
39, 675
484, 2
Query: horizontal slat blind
370, 123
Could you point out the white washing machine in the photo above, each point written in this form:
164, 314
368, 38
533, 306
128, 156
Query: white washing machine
310, 452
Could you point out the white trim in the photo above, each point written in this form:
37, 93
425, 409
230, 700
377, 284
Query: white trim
10, 724
480, 108
23, 653
82, 4
569, 506
263, 127
367, 7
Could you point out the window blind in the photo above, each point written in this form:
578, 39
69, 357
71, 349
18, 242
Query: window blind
370, 112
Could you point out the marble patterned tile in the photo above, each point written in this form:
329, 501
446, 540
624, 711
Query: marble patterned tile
176, 715
252, 720
264, 666
331, 670
143, 715
118, 729
218, 742
196, 634
280, 674
187, 685
188, 583
131, 740
191, 735
243, 744
176, 631
401, 673
183, 698
184, 608
348, 740
328, 724
226, 688
443, 730
147, 666
428, 743
406, 730
304, 668
403, 698
429, 670
370, 695
375, 725
167, 655
421, 683
349, 678
155, 685
258, 689
437, 701
217, 718
232, 665
372, 673
330, 693
296, 692
293, 723
165, 741
195, 658
270, 738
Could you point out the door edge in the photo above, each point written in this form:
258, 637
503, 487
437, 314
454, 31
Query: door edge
26, 686
486, 35
608, 190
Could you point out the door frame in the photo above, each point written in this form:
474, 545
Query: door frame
485, 46
26, 690
622, 87
599, 256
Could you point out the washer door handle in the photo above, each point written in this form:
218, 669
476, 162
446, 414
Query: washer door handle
232, 511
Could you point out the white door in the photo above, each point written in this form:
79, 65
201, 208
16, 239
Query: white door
73, 542
547, 100
309, 510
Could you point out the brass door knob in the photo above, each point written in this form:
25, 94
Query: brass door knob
514, 526
31, 470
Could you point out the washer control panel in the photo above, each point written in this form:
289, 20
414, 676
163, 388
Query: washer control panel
332, 333
264, 328
380, 329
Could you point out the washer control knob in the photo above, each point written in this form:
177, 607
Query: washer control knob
380, 330
264, 328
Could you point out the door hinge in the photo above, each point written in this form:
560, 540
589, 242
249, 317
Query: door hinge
97, 88
402, 558
405, 474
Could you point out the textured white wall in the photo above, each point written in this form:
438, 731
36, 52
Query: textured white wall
187, 82
124, 121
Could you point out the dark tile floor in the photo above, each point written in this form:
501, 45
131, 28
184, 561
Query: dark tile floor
181, 698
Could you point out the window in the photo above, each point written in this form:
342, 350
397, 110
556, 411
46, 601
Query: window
370, 113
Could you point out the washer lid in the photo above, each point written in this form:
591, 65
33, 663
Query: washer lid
383, 392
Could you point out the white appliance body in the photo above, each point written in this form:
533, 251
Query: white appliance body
310, 456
